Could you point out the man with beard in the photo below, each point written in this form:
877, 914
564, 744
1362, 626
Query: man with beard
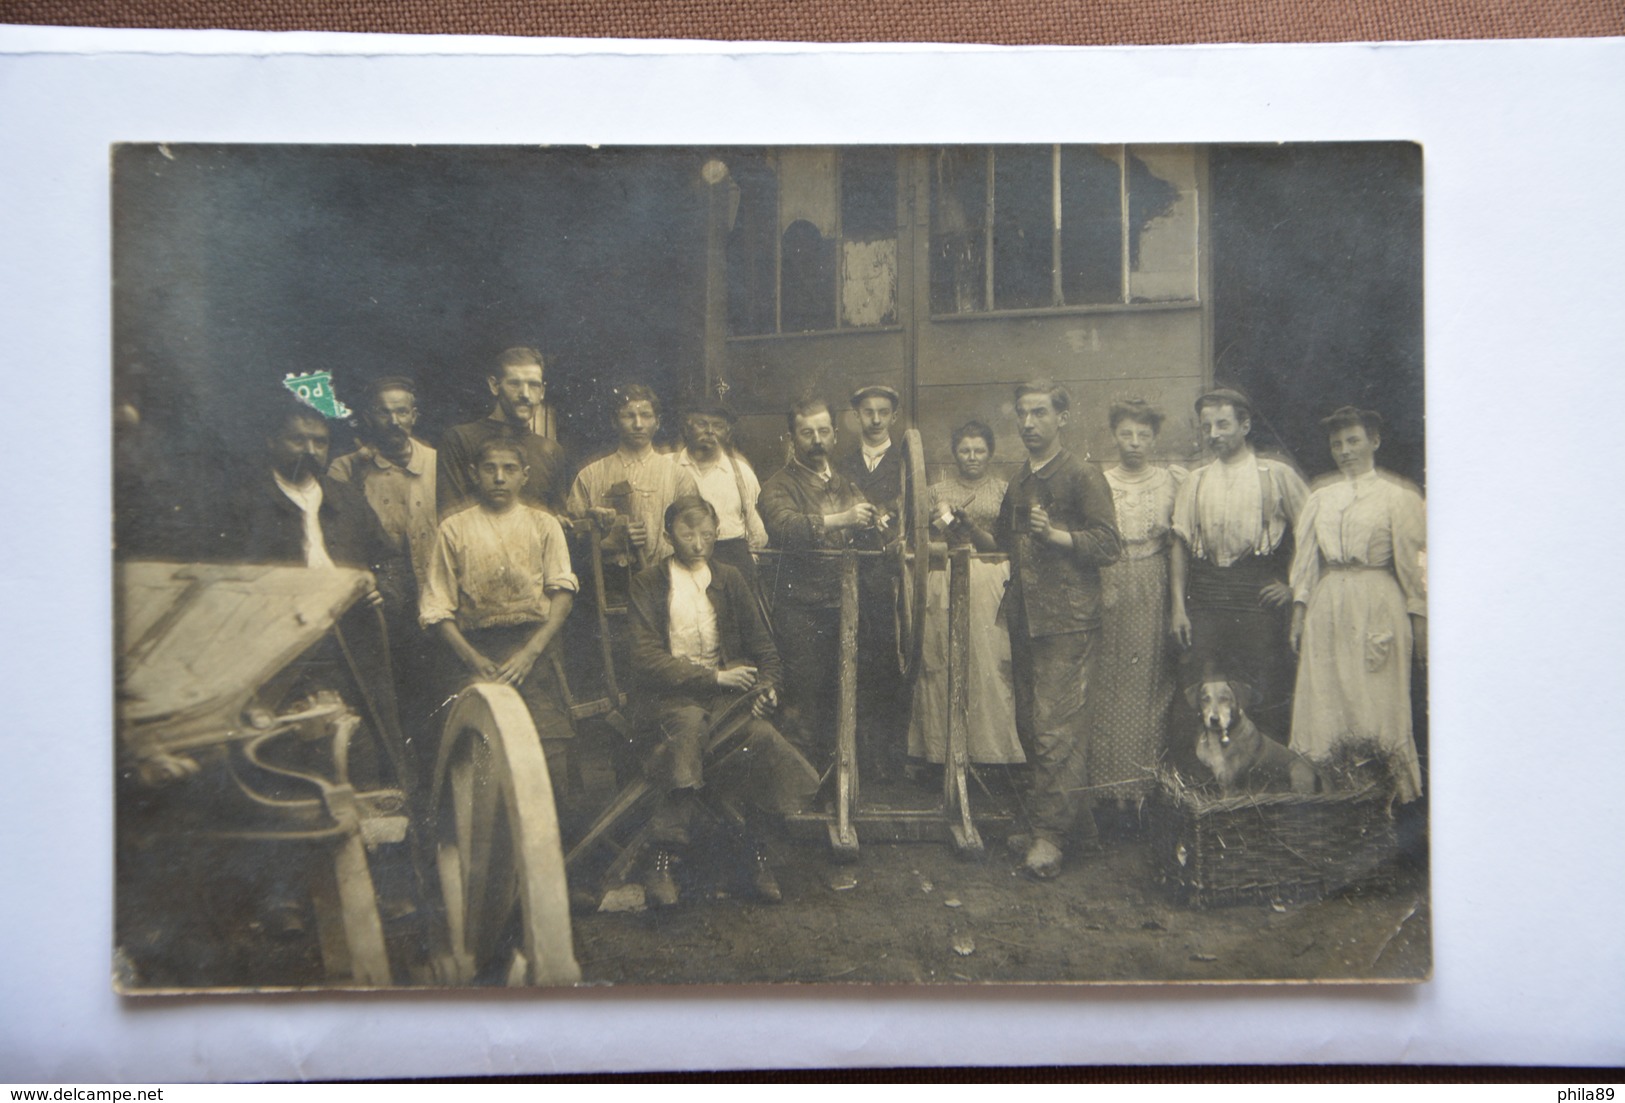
286, 511
290, 511
725, 479
395, 472
517, 385
1059, 527
806, 506
1232, 553
634, 481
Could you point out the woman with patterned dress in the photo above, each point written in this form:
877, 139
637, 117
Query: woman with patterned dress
1136, 675
964, 507
1360, 603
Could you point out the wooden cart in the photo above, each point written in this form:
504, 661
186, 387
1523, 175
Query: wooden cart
210, 703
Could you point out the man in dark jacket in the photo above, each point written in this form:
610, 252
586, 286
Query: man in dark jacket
1059, 527
287, 511
809, 506
516, 385
698, 641
876, 469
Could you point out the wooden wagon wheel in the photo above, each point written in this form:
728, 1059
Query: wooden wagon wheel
914, 558
496, 836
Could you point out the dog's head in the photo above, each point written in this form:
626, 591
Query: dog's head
1221, 704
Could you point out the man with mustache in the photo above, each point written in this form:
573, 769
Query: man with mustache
1059, 527
290, 512
806, 506
517, 386
726, 480
395, 471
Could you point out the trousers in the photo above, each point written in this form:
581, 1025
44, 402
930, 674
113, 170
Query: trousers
765, 774
809, 639
1052, 676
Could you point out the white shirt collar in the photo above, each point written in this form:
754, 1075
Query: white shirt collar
700, 573
306, 495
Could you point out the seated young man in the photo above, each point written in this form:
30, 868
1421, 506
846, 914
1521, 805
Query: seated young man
699, 640
498, 591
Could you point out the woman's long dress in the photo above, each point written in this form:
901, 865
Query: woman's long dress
1362, 546
991, 730
1135, 675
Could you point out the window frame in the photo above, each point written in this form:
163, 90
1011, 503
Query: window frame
1124, 303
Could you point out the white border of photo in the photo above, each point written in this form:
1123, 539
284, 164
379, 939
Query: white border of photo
1524, 238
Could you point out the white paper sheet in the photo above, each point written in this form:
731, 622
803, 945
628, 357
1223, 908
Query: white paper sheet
1524, 242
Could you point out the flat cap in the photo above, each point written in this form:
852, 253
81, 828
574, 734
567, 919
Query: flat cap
875, 389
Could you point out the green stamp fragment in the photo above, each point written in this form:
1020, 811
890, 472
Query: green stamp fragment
316, 391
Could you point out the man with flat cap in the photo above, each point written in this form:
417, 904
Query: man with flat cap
1232, 553
877, 470
726, 480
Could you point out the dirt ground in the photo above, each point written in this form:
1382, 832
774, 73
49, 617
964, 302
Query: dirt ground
903, 913
917, 912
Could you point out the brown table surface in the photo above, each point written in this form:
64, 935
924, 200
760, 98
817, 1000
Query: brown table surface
1065, 22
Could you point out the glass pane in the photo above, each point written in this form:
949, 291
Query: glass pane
1162, 203
751, 274
868, 194
958, 202
868, 237
1022, 217
1091, 225
807, 276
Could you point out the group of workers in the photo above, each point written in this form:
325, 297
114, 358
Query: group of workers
1099, 591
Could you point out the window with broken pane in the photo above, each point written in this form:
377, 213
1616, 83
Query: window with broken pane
1034, 227
813, 244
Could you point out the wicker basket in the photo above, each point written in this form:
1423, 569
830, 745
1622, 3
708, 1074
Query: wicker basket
1268, 847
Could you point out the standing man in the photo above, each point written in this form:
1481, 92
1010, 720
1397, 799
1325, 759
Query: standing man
1233, 522
724, 479
1058, 526
516, 385
395, 472
290, 512
876, 469
634, 482
809, 506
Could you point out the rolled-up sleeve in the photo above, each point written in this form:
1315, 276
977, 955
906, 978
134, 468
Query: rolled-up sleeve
438, 601
556, 572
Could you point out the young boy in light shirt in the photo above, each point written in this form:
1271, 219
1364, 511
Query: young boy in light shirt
498, 591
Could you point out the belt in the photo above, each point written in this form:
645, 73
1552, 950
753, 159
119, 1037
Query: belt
1356, 567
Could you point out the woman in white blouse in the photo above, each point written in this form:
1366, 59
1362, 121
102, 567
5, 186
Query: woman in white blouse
1360, 603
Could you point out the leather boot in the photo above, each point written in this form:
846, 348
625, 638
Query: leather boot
659, 886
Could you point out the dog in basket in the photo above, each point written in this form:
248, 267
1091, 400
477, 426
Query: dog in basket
1242, 758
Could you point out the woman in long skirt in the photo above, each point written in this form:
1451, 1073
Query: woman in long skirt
1134, 681
1360, 603
964, 506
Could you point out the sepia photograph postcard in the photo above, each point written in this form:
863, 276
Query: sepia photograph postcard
610, 556
770, 564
